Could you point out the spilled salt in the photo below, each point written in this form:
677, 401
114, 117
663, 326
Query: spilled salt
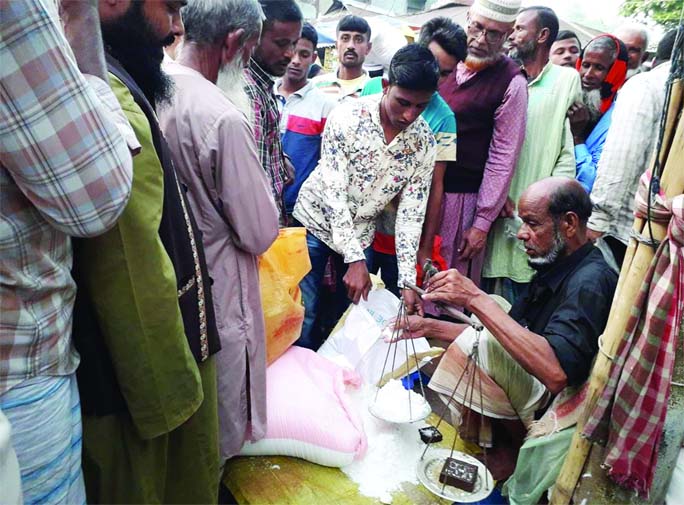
392, 455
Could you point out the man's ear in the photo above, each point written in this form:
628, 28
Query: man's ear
385, 85
543, 36
231, 45
570, 222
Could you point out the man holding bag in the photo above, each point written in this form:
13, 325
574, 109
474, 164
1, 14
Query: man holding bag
373, 150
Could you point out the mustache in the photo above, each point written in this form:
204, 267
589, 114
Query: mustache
350, 51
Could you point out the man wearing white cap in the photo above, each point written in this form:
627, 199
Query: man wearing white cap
488, 94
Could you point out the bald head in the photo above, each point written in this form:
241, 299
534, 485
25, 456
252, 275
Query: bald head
561, 195
554, 212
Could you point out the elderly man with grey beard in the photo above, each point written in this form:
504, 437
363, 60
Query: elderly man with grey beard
603, 69
487, 93
549, 337
216, 156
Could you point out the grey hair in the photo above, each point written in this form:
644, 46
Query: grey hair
603, 43
634, 27
207, 22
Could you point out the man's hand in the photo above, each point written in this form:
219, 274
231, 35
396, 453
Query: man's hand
412, 327
453, 288
424, 254
412, 301
508, 209
578, 114
594, 235
473, 242
289, 171
357, 281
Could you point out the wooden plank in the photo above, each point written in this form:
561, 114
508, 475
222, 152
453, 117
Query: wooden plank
284, 480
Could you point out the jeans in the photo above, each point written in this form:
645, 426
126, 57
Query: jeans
310, 286
389, 271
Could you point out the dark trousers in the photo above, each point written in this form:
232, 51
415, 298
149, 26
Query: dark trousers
389, 271
310, 286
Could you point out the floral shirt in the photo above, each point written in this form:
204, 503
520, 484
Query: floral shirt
359, 174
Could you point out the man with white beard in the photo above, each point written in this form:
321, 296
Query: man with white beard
603, 69
216, 157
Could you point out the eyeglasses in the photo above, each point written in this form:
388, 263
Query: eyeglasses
491, 36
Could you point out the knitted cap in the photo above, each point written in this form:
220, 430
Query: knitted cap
504, 11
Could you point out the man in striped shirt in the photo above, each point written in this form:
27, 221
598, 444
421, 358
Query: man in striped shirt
304, 110
353, 45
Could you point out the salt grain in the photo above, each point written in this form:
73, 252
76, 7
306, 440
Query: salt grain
392, 455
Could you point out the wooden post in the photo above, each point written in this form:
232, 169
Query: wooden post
637, 261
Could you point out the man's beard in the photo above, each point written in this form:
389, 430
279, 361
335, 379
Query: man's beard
231, 81
524, 52
557, 249
592, 100
476, 64
131, 40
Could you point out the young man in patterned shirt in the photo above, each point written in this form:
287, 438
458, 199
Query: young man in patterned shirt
373, 150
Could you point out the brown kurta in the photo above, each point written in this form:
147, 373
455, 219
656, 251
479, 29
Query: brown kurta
215, 155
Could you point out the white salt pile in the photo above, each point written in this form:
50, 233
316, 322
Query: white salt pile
398, 405
392, 455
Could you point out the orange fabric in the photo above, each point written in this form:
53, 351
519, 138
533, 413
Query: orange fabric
617, 75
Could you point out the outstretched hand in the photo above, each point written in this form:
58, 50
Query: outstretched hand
410, 327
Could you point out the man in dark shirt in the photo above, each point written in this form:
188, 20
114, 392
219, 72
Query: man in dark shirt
550, 336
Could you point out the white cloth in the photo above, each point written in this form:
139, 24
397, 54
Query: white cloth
627, 152
10, 481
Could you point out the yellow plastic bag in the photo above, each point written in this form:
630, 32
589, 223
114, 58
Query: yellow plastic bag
280, 269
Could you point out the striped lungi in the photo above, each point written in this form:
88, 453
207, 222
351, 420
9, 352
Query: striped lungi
45, 414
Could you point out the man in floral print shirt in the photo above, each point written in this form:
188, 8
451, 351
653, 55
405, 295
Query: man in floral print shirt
373, 149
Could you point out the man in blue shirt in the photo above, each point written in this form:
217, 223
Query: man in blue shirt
602, 68
303, 113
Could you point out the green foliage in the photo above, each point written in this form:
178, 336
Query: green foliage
663, 12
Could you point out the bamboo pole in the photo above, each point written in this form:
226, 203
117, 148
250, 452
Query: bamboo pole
637, 261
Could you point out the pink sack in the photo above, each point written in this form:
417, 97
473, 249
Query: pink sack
310, 415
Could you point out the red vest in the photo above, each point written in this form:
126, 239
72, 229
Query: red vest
474, 103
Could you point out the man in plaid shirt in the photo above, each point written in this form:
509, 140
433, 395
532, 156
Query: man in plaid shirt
65, 171
281, 31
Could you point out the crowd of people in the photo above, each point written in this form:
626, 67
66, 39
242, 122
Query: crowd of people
152, 150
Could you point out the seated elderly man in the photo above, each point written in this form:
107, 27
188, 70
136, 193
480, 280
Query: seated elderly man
549, 338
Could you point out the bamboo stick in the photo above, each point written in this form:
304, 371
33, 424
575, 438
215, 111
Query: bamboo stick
631, 278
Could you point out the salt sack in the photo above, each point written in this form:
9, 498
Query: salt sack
396, 404
310, 415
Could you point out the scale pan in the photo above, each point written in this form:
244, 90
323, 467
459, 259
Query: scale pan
430, 467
